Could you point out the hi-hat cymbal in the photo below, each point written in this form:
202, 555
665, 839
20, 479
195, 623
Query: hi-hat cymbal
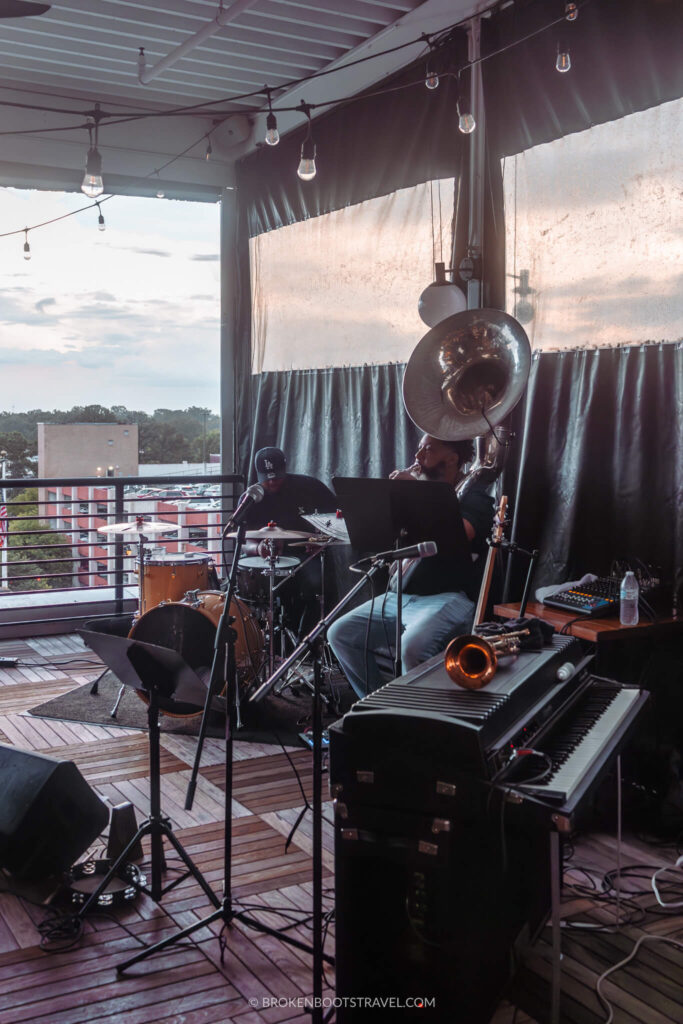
272, 533
146, 529
320, 540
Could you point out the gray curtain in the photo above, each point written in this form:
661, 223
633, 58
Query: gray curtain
343, 421
598, 473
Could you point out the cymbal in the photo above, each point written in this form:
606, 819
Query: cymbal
320, 540
147, 529
282, 565
272, 533
330, 524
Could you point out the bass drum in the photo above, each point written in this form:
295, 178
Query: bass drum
189, 627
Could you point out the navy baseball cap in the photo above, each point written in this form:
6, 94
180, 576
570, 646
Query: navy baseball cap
270, 464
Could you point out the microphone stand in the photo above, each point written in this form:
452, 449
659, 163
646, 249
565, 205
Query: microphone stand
224, 644
398, 667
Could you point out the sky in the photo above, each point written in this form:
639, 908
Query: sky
126, 316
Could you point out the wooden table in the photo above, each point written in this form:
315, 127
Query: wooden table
586, 628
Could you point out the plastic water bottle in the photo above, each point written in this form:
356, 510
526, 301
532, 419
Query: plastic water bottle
628, 600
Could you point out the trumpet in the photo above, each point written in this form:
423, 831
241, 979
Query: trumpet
471, 661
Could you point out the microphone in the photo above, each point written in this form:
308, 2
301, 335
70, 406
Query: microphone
423, 550
251, 496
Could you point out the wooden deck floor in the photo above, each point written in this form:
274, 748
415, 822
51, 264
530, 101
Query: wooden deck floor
199, 984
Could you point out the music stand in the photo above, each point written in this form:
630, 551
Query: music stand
155, 672
381, 514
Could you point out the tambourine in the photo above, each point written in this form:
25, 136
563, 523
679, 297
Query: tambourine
123, 887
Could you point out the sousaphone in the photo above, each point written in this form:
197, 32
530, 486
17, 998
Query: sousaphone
467, 374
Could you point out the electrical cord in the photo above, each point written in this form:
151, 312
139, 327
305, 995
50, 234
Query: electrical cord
622, 963
655, 886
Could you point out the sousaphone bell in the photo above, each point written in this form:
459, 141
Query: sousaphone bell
467, 374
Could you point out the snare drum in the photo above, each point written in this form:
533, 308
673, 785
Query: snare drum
189, 627
169, 577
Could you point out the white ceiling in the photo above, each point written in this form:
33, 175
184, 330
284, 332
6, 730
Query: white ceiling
85, 51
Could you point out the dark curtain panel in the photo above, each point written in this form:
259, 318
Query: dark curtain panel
347, 421
598, 472
625, 56
366, 148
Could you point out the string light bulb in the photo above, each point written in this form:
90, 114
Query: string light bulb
209, 149
466, 122
100, 219
92, 184
27, 247
563, 61
160, 190
571, 11
307, 169
431, 78
272, 134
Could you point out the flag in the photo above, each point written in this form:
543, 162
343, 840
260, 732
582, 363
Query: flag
4, 527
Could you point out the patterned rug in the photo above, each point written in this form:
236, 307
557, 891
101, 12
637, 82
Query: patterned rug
275, 717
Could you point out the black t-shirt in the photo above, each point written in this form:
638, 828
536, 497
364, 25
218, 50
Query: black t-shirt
441, 574
298, 493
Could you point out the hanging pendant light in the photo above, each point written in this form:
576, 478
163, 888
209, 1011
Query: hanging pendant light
440, 299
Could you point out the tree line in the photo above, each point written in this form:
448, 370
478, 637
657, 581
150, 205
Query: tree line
166, 435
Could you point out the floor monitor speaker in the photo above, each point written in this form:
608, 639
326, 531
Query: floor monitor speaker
49, 815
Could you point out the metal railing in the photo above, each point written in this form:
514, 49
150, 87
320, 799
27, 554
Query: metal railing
53, 552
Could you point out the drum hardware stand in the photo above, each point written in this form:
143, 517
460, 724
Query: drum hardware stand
312, 643
149, 669
224, 655
302, 679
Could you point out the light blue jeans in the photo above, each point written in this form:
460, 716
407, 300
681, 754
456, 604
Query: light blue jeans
429, 622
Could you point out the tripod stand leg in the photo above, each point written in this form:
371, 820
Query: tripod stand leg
165, 943
119, 698
192, 868
95, 688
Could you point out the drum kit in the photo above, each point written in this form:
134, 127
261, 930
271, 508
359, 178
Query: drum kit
181, 603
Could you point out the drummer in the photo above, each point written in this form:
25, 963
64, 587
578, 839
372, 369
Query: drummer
286, 496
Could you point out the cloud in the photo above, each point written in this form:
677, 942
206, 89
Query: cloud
151, 252
29, 356
102, 312
206, 257
14, 311
42, 303
104, 297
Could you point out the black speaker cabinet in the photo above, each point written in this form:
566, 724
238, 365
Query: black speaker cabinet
440, 882
49, 815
